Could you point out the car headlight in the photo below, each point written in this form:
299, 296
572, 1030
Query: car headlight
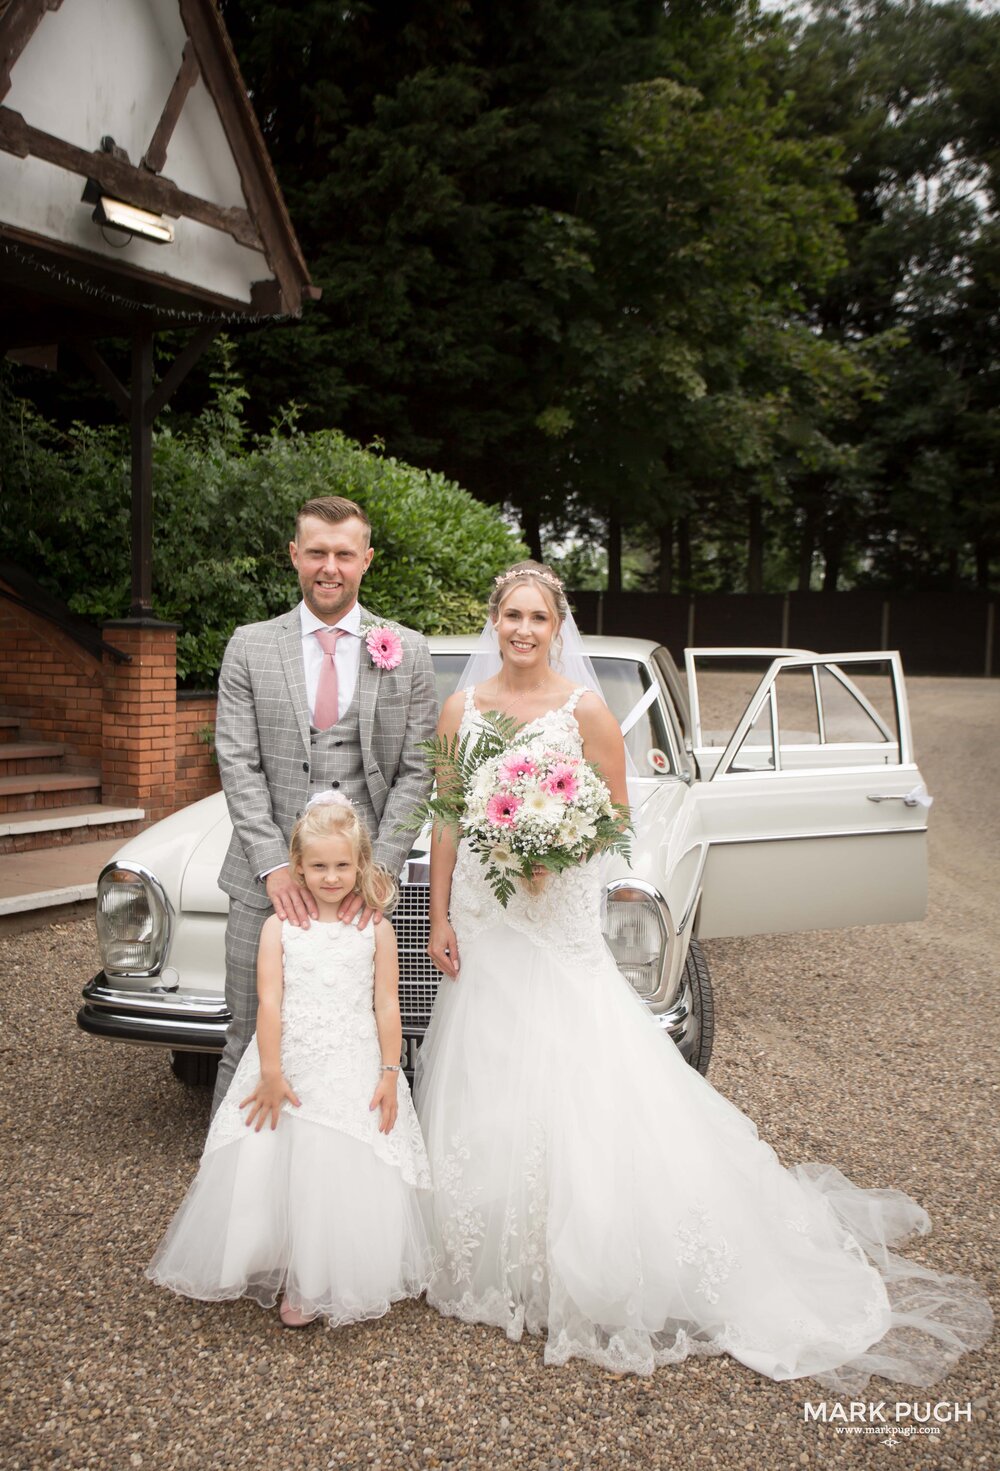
638, 934
133, 921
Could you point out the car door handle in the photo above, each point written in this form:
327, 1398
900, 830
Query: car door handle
918, 797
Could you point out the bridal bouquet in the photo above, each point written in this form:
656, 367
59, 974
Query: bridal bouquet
520, 801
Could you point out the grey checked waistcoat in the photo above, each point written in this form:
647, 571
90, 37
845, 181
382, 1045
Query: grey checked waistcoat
336, 762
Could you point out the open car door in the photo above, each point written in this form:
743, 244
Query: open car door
812, 812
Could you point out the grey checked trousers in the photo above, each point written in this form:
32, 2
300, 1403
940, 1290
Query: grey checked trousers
242, 939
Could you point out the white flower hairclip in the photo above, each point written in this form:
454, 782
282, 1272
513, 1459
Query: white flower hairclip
329, 798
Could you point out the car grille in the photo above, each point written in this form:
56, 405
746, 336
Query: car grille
418, 979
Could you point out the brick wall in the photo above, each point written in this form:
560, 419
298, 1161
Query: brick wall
138, 716
125, 721
52, 685
197, 773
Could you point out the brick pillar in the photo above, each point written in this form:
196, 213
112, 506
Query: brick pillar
138, 725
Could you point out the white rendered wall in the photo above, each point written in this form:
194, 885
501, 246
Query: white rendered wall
97, 67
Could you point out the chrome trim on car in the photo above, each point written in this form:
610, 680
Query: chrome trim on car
207, 1006
160, 893
183, 1021
666, 964
695, 890
680, 1022
847, 832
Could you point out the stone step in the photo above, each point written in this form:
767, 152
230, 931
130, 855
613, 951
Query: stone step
48, 790
22, 758
10, 729
38, 883
58, 827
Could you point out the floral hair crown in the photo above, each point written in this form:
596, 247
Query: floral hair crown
328, 799
542, 576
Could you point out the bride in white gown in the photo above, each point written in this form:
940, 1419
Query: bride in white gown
588, 1183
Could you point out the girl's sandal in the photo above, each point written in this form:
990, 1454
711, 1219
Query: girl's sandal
292, 1318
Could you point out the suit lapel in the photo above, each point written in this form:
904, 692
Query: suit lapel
290, 647
368, 682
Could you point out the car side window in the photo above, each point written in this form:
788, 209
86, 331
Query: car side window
623, 683
823, 715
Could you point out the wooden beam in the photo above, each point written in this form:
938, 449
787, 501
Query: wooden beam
142, 475
156, 154
35, 357
154, 292
88, 354
18, 24
221, 75
266, 297
178, 370
125, 181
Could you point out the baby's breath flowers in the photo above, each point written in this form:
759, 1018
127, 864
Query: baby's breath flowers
521, 802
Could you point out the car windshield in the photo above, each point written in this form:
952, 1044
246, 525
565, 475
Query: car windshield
623, 682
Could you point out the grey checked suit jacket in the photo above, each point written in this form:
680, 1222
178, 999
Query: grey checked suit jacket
262, 743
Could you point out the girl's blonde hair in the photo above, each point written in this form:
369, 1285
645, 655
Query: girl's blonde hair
337, 817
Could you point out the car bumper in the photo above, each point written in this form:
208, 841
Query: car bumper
681, 1023
183, 1021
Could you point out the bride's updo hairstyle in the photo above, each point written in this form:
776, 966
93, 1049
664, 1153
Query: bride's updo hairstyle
328, 815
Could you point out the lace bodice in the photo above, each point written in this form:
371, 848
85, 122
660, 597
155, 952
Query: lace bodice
560, 723
326, 1008
330, 1050
567, 912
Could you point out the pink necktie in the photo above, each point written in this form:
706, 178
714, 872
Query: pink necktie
327, 712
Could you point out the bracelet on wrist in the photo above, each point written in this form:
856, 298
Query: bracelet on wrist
390, 1067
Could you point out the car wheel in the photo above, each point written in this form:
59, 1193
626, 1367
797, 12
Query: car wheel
197, 1068
698, 978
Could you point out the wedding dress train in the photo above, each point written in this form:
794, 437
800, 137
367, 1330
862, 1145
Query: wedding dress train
591, 1185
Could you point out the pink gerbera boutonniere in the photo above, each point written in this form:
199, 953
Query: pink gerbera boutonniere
385, 647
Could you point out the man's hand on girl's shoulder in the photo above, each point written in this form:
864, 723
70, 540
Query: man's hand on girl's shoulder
291, 900
350, 906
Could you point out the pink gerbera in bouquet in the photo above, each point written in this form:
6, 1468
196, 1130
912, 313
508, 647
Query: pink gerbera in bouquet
522, 802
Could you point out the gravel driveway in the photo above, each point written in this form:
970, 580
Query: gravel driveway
875, 1049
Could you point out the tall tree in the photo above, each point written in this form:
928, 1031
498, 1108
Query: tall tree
905, 85
433, 154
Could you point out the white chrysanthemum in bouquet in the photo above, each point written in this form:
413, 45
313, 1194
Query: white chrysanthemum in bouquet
522, 803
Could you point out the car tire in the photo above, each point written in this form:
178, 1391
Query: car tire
697, 975
195, 1068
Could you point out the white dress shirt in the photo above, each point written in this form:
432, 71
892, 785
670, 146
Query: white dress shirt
347, 656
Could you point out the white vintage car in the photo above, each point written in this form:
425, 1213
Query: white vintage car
777, 792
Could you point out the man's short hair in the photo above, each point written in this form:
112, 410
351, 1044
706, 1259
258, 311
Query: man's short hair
333, 508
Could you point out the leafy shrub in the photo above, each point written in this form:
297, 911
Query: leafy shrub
224, 509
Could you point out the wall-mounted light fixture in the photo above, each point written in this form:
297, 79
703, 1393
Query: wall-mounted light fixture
129, 219
118, 215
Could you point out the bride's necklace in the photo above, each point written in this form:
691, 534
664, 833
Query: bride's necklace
517, 698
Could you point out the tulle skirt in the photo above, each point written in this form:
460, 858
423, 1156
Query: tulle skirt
591, 1186
304, 1209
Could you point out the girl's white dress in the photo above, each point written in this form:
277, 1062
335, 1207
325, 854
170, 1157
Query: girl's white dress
324, 1207
591, 1184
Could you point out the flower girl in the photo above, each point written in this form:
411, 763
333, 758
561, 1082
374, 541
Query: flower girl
314, 1191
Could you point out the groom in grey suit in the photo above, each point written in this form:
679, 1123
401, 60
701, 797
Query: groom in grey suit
273, 757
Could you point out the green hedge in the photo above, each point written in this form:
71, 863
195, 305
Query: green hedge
224, 508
